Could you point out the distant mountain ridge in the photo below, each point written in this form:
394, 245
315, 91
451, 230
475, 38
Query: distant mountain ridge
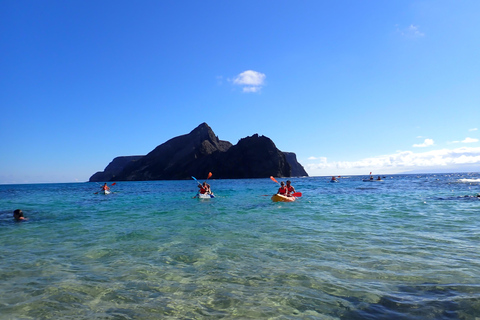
200, 152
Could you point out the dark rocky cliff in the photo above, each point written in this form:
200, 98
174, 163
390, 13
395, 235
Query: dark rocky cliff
178, 158
297, 168
253, 157
114, 168
200, 152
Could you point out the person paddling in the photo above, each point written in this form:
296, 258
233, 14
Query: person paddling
105, 187
290, 189
283, 189
205, 188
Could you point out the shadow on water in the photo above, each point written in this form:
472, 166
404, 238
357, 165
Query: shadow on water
460, 198
427, 301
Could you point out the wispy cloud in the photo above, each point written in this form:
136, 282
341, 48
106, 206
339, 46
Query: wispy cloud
412, 31
250, 80
401, 161
322, 159
426, 143
466, 140
473, 129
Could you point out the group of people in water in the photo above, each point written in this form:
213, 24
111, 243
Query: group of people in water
204, 188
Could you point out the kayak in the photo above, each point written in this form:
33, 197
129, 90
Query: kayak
204, 196
368, 180
282, 198
105, 192
333, 180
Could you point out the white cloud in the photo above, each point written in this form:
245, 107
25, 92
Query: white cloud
426, 143
400, 162
473, 129
252, 81
466, 140
412, 31
469, 140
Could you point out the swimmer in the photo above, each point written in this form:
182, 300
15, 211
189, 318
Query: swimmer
18, 215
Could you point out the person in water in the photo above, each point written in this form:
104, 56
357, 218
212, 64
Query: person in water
290, 188
105, 187
283, 189
18, 215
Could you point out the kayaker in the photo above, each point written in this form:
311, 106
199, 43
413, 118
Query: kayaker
105, 187
290, 188
282, 190
205, 188
334, 179
379, 178
18, 215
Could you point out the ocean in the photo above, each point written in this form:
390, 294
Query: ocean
407, 247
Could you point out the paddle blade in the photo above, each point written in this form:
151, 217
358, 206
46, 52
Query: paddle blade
209, 175
273, 179
297, 194
113, 184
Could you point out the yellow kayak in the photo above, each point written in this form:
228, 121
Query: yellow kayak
281, 198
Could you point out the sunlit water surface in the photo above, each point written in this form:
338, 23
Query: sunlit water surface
404, 248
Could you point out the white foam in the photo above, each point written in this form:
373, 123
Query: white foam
469, 180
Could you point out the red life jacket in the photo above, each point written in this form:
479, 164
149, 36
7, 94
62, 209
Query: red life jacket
290, 189
282, 190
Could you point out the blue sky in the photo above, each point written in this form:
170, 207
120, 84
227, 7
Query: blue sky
349, 86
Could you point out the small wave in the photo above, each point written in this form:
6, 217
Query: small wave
469, 180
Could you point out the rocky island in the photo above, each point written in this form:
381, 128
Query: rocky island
200, 152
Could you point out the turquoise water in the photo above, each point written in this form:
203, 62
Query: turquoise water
404, 248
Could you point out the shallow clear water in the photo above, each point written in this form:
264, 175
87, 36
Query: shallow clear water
404, 248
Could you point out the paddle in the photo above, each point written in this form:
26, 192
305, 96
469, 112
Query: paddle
273, 179
195, 179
